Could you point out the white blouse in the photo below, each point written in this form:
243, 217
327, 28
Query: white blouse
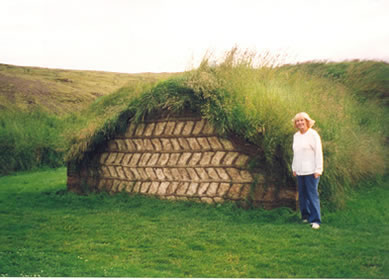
307, 153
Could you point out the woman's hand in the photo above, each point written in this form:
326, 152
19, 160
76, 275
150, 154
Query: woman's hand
316, 175
294, 173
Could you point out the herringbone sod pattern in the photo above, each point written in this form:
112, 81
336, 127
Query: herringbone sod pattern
175, 159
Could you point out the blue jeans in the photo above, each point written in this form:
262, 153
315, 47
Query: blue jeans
309, 198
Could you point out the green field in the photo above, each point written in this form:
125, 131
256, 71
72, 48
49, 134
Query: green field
46, 231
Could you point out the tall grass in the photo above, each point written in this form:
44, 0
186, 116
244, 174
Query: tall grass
259, 103
30, 140
368, 80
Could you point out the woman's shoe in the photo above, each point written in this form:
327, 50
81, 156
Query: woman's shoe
315, 225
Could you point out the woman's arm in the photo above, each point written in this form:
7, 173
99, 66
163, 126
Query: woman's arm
318, 155
294, 157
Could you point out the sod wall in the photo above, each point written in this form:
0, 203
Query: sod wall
179, 158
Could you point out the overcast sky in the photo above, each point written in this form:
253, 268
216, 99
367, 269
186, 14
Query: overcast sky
173, 35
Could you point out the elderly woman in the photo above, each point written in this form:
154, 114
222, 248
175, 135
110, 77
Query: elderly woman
307, 166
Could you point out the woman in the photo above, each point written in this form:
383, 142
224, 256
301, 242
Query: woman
307, 165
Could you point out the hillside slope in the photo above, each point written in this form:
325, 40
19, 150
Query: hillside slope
368, 80
60, 91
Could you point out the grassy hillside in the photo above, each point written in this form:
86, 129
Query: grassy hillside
368, 80
39, 105
60, 91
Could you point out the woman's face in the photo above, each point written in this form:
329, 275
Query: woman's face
301, 124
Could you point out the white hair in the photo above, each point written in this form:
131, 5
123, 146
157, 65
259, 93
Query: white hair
304, 115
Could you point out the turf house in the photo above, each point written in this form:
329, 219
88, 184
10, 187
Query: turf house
223, 132
174, 142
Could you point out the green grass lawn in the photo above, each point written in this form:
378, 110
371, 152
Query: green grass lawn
45, 231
